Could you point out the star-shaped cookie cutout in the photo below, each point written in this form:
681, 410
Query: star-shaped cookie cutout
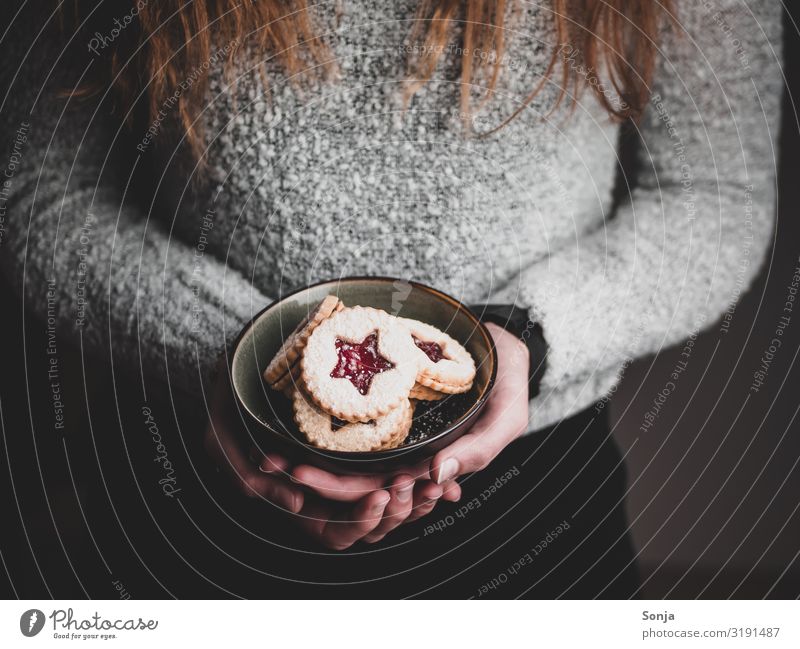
360, 362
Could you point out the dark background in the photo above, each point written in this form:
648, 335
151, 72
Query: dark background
714, 484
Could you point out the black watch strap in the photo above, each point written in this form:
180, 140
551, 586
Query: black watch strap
516, 320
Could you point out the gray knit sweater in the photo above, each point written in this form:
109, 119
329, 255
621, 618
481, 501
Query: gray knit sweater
333, 179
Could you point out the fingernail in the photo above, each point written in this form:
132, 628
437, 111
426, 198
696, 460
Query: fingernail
266, 467
295, 480
448, 470
378, 509
404, 494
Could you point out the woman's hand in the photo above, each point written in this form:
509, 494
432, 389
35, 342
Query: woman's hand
373, 507
371, 516
503, 420
335, 523
338, 510
402, 499
224, 446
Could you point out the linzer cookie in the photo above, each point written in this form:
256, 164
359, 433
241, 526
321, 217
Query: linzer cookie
354, 374
424, 393
359, 364
284, 369
290, 380
444, 365
400, 435
324, 431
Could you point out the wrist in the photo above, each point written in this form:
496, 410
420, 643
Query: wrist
512, 346
517, 323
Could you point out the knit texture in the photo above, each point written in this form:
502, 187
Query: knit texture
332, 178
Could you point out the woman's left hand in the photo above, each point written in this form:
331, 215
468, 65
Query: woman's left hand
504, 418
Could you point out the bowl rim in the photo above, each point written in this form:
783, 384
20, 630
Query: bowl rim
354, 456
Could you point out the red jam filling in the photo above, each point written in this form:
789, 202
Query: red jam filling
360, 362
432, 350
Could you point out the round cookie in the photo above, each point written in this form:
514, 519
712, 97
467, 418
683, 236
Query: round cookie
290, 380
281, 370
359, 364
424, 393
400, 435
321, 430
447, 388
444, 365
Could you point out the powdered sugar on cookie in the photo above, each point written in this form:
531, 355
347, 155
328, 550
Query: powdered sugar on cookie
442, 361
279, 372
354, 375
321, 430
359, 364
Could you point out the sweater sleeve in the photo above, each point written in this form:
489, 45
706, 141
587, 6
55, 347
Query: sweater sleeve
698, 220
91, 262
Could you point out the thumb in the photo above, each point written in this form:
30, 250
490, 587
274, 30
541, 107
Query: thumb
498, 427
472, 452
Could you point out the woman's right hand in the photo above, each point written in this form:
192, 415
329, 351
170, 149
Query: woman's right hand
224, 445
360, 508
336, 523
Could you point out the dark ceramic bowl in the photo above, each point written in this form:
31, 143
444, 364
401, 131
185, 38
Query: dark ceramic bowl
268, 414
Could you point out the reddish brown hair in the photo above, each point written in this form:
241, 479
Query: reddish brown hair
619, 37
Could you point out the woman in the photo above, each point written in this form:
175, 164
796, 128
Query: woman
186, 164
